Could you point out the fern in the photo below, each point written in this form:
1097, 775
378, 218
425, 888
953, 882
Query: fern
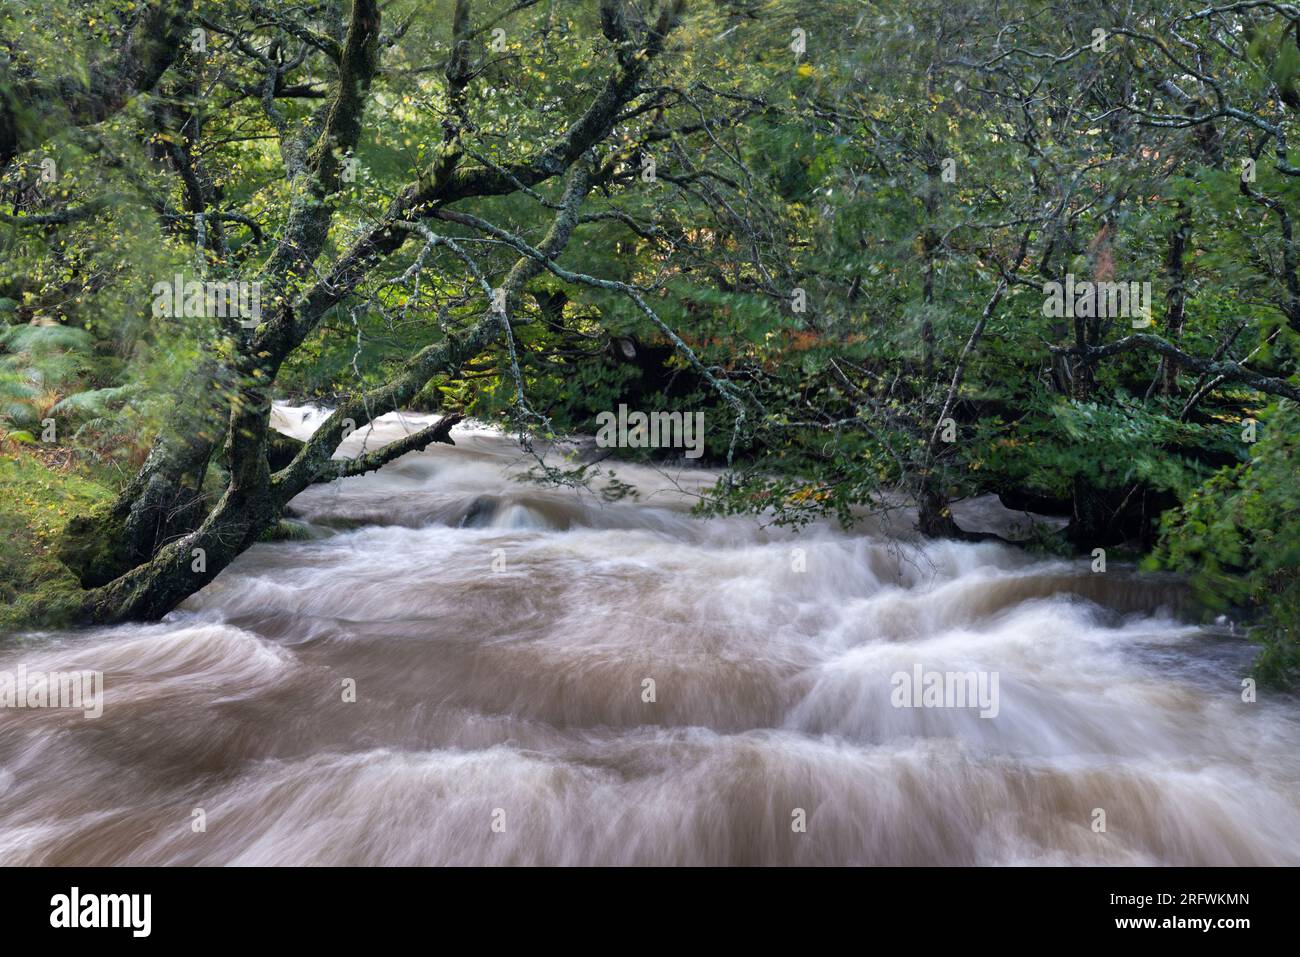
96, 402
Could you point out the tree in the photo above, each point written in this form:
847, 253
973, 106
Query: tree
308, 81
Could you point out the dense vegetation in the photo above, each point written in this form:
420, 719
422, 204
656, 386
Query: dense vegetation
832, 226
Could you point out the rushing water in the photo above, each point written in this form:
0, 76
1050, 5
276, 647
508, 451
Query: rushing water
500, 636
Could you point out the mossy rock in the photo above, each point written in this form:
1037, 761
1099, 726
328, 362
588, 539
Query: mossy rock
56, 602
286, 530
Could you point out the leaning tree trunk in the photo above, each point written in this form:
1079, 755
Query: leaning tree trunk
185, 564
163, 501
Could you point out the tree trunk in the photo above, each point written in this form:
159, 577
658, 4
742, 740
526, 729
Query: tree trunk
1176, 298
933, 518
929, 253
185, 564
163, 501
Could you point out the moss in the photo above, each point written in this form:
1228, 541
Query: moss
54, 602
92, 544
286, 530
40, 500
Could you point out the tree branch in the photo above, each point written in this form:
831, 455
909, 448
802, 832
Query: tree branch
28, 109
440, 431
1228, 370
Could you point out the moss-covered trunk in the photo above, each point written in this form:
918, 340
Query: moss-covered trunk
162, 502
185, 564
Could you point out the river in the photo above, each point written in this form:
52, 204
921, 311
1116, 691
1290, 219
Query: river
453, 667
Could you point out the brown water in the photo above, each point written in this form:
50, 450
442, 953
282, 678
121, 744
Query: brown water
515, 697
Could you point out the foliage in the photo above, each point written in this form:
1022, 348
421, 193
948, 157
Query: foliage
1238, 538
40, 498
